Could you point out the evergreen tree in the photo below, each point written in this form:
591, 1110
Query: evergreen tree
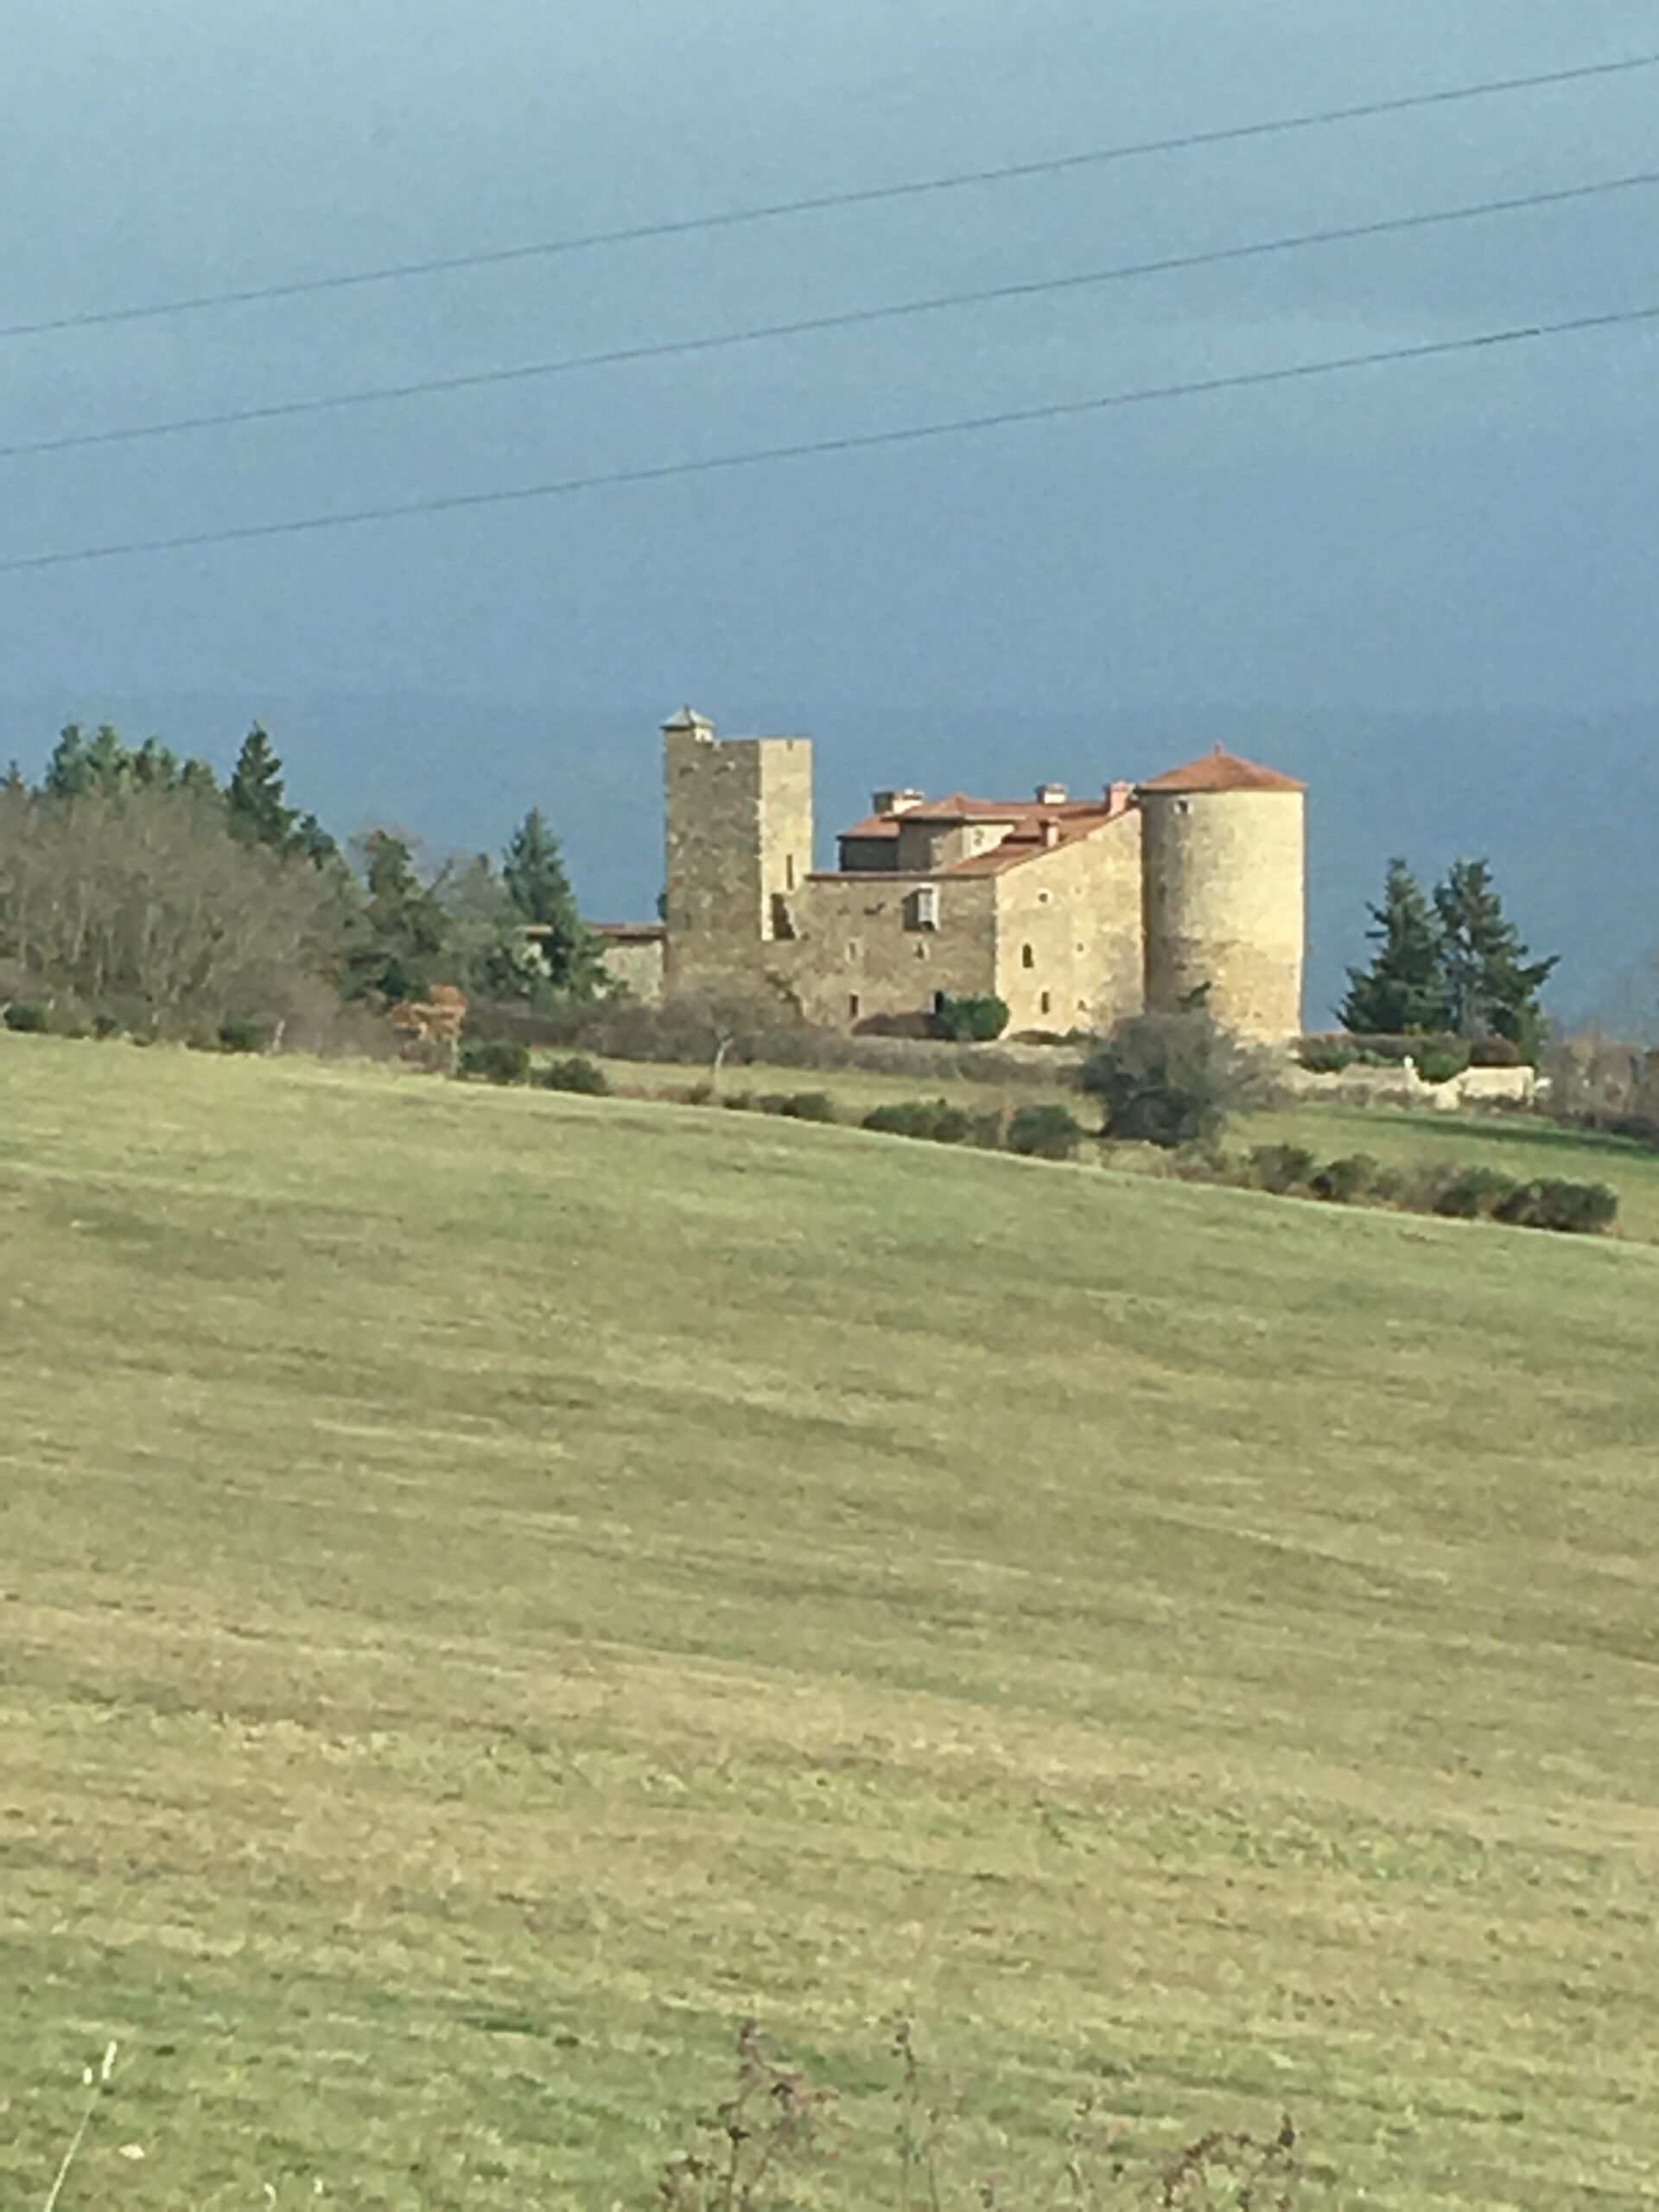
109, 764
1491, 984
198, 776
1403, 991
403, 924
538, 888
253, 798
156, 766
66, 773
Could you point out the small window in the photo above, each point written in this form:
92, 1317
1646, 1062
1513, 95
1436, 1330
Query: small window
852, 1007
1042, 898
1183, 806
927, 906
789, 871
1027, 957
1043, 1003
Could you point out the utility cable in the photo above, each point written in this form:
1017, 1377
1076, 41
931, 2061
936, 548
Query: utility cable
671, 348
827, 202
855, 442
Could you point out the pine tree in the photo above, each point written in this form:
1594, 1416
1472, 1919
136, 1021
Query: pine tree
1403, 992
109, 764
66, 773
533, 873
403, 924
254, 803
1491, 984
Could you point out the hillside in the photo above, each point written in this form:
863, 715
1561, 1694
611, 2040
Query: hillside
498, 1586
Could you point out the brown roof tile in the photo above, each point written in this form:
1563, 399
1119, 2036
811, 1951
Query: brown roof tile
1222, 770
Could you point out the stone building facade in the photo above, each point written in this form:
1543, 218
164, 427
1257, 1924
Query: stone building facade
1074, 911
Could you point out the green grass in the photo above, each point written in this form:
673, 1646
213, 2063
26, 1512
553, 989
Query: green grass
496, 1587
1526, 1146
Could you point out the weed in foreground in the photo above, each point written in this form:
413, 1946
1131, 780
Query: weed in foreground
768, 2143
96, 2084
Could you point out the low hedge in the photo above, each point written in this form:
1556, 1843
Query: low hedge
584, 1077
500, 1060
1046, 1132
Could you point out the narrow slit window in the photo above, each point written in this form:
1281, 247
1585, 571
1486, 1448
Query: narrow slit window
1027, 956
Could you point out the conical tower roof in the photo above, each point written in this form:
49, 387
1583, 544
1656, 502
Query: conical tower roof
1222, 770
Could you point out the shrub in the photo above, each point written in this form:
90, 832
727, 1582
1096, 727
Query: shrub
1579, 1209
935, 1119
977, 1019
243, 1036
1439, 1065
29, 1017
1281, 1168
1344, 1182
106, 1026
1172, 1079
500, 1060
577, 1074
1466, 1193
1495, 1052
799, 1105
1328, 1055
1048, 1131
1380, 1051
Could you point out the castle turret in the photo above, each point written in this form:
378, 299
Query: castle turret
1223, 888
739, 821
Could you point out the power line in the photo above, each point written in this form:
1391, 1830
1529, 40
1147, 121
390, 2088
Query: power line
856, 442
666, 349
822, 203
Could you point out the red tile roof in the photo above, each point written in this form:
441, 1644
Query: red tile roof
1222, 770
1069, 819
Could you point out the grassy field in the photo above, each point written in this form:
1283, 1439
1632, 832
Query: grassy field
495, 1588
1525, 1146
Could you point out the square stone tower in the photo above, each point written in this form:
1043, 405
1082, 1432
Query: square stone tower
739, 821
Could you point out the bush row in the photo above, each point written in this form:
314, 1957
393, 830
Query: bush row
1438, 1057
1455, 1194
48, 1017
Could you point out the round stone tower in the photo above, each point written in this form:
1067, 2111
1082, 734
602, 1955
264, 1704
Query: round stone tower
1223, 890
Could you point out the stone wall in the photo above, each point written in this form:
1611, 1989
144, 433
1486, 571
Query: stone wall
636, 960
1402, 1085
857, 954
1076, 911
1225, 905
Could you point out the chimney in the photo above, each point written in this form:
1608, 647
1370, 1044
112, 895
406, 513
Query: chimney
1119, 798
1051, 832
891, 802
1051, 794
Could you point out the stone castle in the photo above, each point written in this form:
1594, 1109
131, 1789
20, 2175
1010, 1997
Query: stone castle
1186, 889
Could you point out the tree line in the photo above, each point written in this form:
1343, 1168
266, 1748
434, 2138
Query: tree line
137, 888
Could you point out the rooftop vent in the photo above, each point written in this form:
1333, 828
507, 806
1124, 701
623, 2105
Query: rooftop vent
1051, 794
887, 802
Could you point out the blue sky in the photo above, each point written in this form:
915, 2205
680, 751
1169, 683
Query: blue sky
1469, 540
